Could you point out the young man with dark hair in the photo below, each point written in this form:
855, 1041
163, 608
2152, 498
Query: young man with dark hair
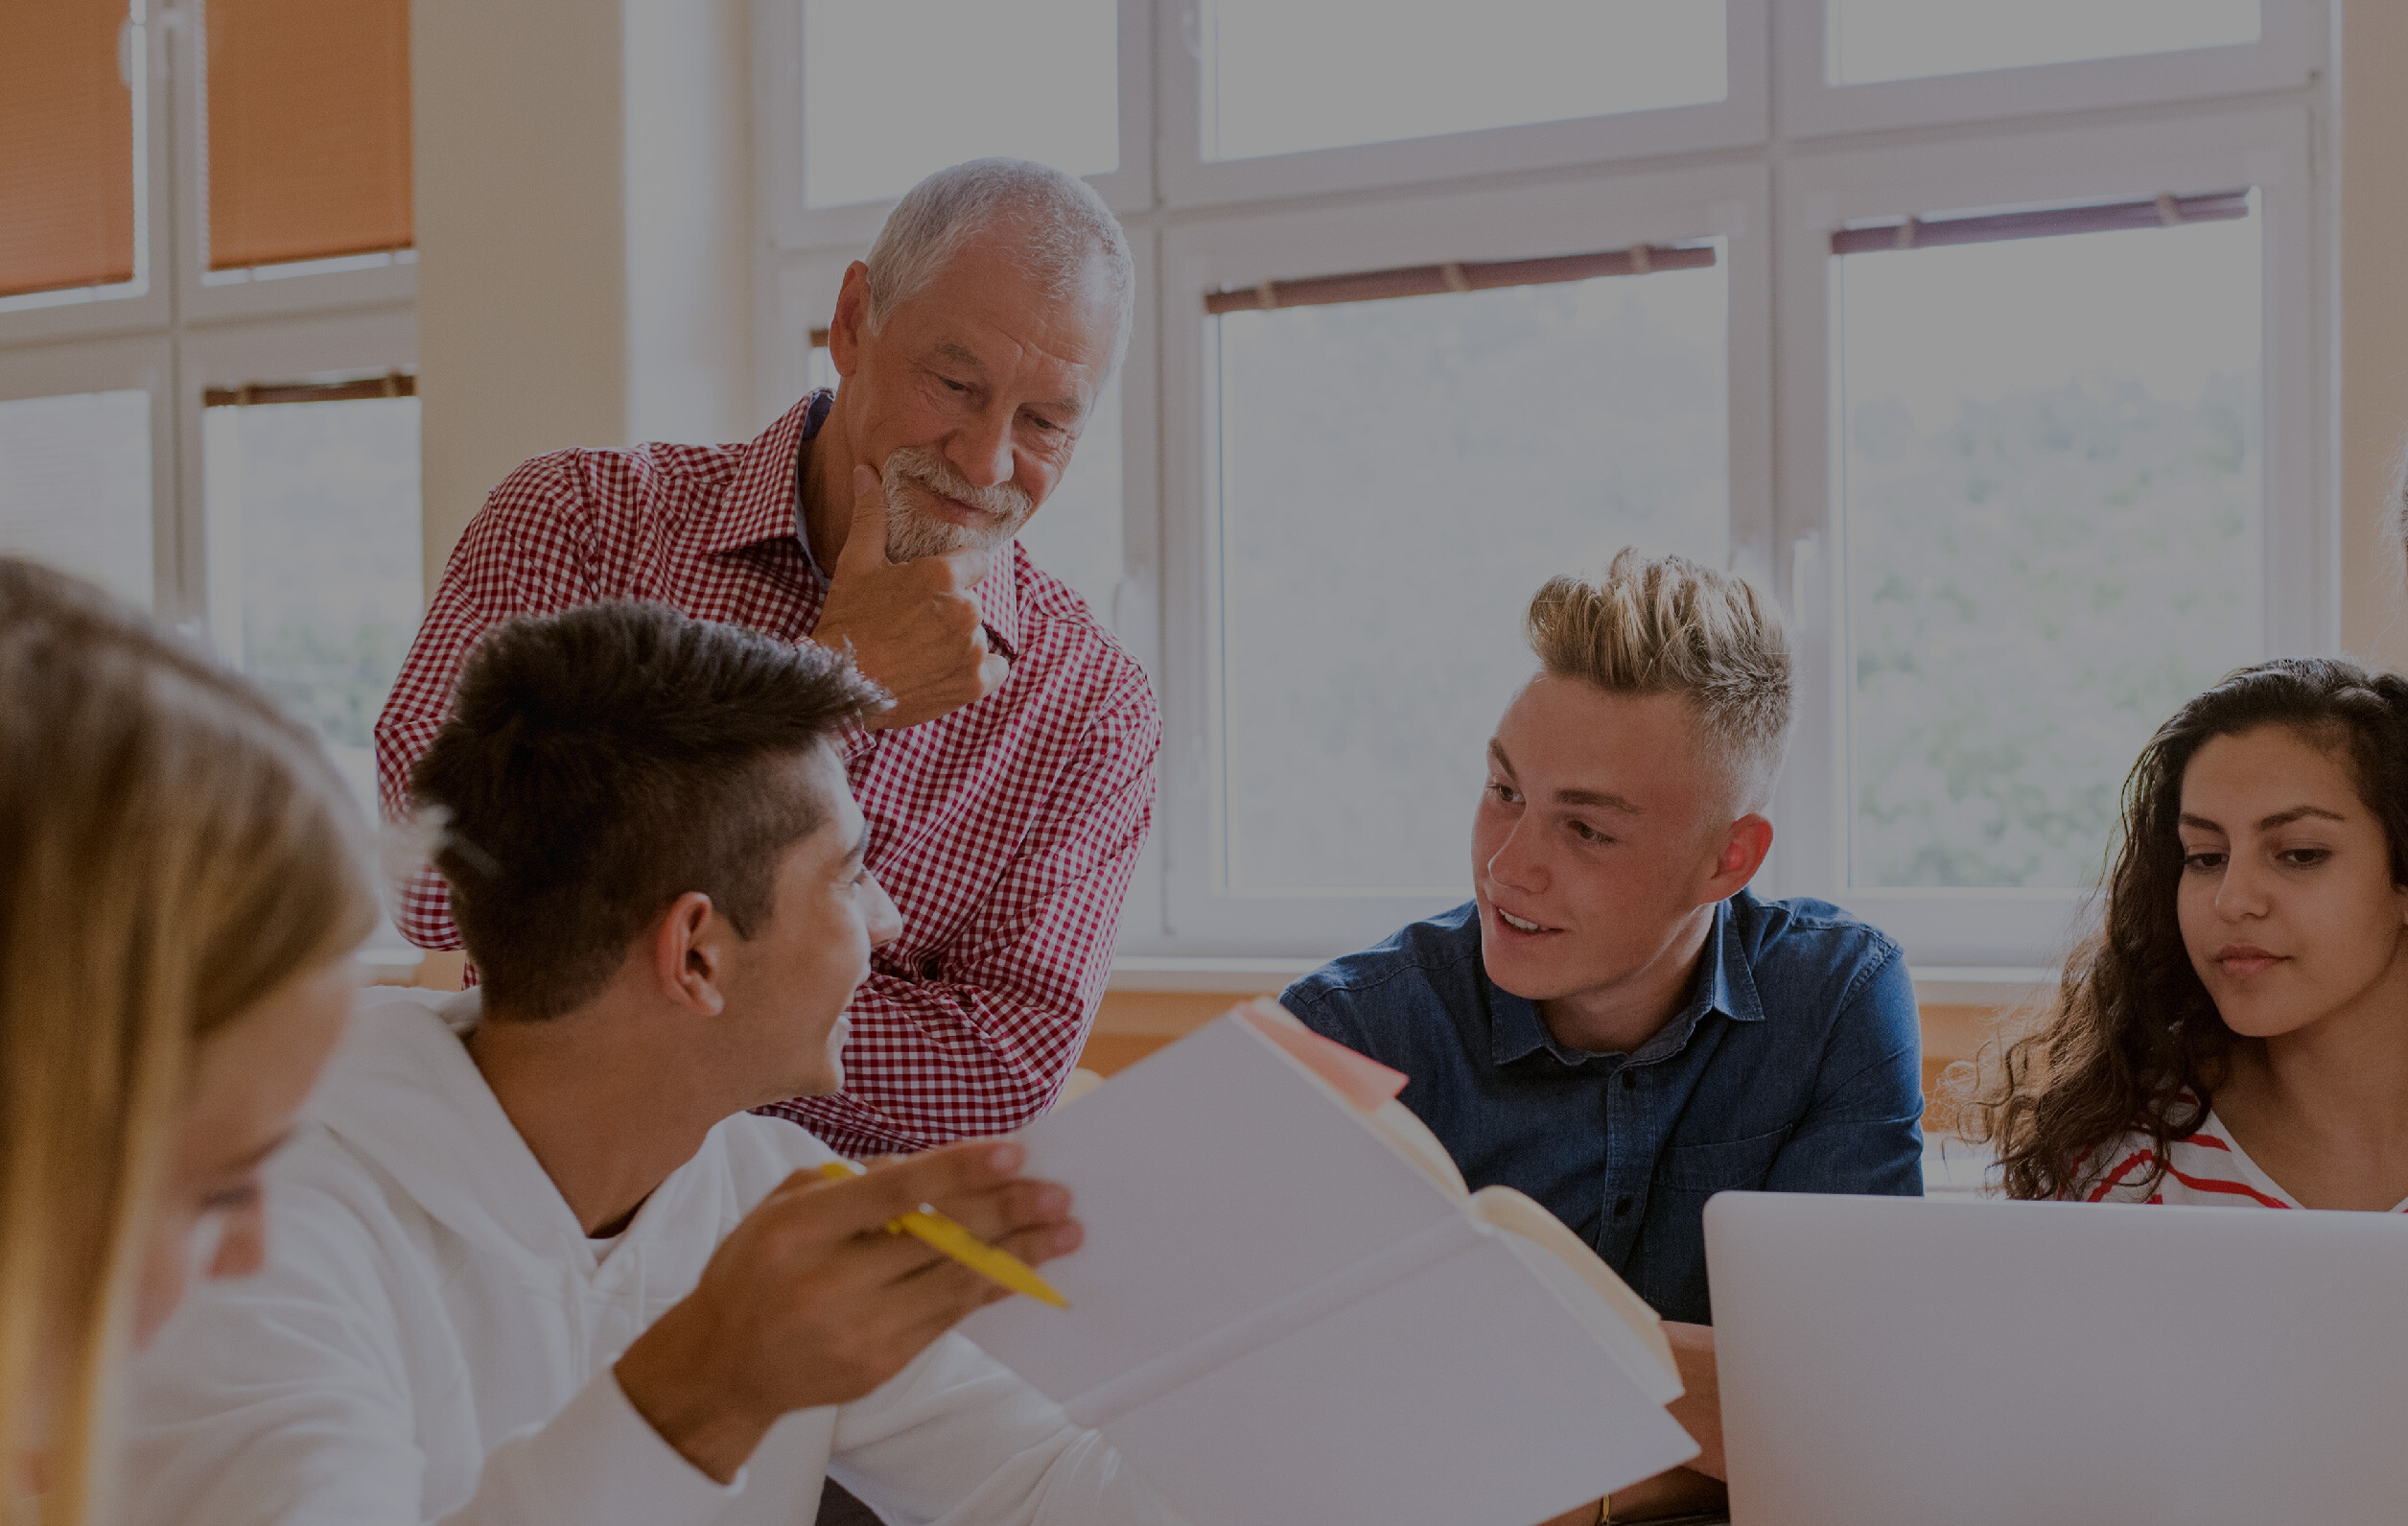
537, 1262
1613, 1023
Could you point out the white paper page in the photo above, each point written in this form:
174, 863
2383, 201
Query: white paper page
1465, 1396
1214, 1177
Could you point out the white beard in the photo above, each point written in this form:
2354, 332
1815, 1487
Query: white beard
913, 532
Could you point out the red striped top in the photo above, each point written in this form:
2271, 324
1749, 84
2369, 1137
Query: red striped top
2206, 1168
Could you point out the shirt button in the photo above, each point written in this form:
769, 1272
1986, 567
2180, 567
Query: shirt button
1623, 1206
1630, 1079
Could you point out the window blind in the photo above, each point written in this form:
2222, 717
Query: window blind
2167, 210
308, 133
1428, 280
66, 147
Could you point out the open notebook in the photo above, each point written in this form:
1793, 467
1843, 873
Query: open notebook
1288, 1308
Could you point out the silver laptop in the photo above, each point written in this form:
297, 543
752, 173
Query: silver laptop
1905, 1362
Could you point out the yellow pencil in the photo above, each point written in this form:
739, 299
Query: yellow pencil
938, 1233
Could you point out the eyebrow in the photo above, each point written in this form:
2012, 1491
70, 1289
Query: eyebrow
961, 354
1603, 800
2280, 818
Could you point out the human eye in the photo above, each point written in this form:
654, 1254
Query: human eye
233, 1198
1586, 833
2304, 858
2206, 860
1505, 793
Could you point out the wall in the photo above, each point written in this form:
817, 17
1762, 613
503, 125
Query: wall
2374, 327
584, 225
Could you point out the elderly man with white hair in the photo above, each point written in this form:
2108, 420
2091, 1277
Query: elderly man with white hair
1010, 786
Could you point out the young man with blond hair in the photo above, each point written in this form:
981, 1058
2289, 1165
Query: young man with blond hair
1614, 1023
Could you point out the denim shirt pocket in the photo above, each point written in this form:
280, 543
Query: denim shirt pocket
1733, 1164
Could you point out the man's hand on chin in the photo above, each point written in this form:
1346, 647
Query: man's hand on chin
914, 626
810, 1302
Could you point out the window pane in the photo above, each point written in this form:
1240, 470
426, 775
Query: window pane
315, 559
75, 487
67, 171
1904, 39
1039, 79
2052, 507
309, 129
1283, 75
1396, 478
1076, 535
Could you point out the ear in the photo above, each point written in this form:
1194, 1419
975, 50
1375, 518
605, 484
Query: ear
851, 320
1744, 844
689, 963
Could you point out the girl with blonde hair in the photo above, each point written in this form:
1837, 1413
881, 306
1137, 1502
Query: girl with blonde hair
182, 881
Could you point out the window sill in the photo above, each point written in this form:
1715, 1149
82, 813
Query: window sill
1937, 985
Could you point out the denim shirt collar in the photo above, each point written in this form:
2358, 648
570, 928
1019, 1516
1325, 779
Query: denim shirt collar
1725, 984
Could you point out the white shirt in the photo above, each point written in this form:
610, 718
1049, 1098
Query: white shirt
2208, 1169
431, 1340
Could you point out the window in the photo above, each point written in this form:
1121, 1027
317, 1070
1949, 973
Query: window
1285, 76
984, 76
75, 487
71, 182
308, 131
315, 556
1904, 39
1396, 479
1990, 338
2054, 518
204, 396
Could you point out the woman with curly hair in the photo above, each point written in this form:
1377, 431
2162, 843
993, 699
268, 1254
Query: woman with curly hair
2237, 1031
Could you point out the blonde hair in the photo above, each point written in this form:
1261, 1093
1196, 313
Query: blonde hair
1671, 625
172, 850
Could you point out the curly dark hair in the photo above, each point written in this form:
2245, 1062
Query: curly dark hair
2133, 1042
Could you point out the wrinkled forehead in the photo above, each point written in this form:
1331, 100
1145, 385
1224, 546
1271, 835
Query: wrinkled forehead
993, 284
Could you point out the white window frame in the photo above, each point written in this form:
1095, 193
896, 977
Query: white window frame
2207, 151
119, 363
173, 333
146, 302
1204, 914
1808, 154
267, 290
1190, 179
794, 224
2292, 46
341, 346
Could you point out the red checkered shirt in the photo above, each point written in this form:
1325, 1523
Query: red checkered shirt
1006, 831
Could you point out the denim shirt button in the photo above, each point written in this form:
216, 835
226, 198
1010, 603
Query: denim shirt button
1623, 1206
1630, 1079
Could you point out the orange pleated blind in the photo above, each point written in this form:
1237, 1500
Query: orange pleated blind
66, 147
309, 129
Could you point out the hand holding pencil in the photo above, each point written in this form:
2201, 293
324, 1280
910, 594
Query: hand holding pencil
812, 1299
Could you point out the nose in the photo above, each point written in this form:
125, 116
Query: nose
1515, 864
886, 923
2241, 891
981, 450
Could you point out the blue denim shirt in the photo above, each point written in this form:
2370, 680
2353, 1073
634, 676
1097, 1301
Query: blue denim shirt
1796, 1067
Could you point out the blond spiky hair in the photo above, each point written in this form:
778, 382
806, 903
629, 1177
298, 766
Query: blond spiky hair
1671, 625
